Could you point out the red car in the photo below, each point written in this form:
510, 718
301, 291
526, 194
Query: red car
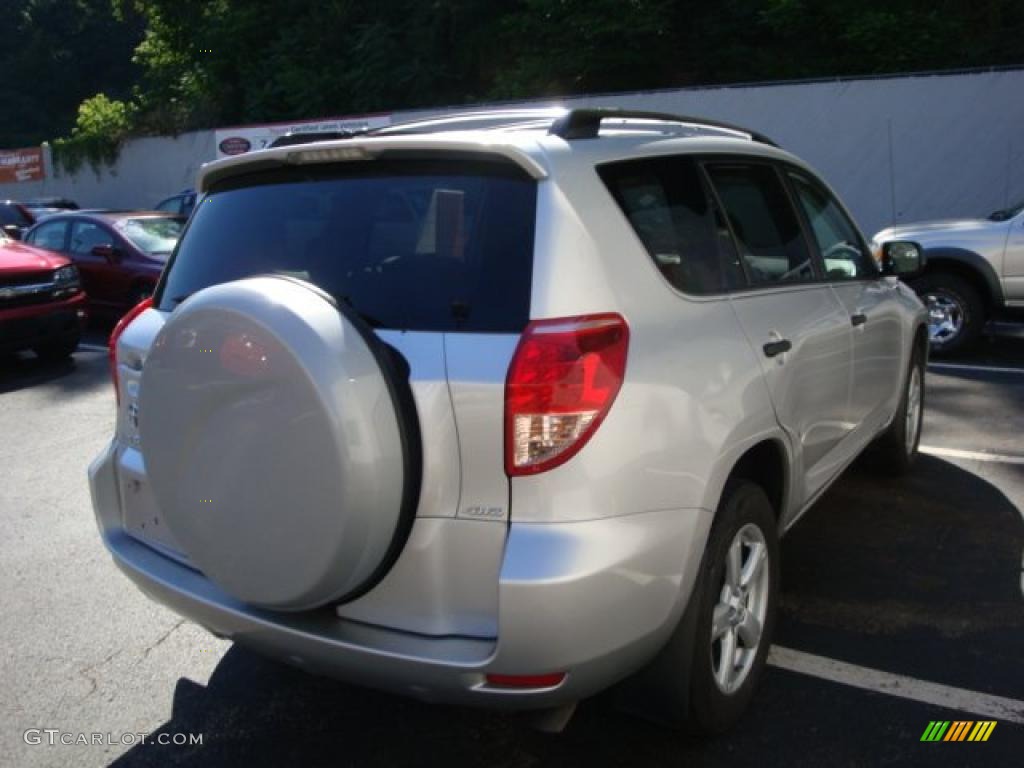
119, 254
42, 305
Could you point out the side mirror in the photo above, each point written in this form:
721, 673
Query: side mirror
902, 259
107, 251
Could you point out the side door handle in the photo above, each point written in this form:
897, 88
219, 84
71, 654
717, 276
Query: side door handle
773, 348
858, 319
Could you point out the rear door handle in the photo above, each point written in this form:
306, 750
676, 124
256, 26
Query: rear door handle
858, 319
773, 348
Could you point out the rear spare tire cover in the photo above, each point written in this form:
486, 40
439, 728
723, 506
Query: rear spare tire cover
277, 445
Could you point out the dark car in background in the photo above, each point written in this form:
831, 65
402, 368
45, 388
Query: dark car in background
56, 203
181, 203
42, 305
120, 254
40, 207
15, 218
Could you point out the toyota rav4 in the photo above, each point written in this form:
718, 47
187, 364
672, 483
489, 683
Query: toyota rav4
505, 408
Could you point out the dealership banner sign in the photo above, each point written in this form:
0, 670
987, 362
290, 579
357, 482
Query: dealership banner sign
21, 165
249, 138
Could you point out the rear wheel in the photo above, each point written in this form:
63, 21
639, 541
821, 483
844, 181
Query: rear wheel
736, 603
956, 312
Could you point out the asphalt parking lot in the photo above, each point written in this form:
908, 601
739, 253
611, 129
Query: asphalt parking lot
902, 604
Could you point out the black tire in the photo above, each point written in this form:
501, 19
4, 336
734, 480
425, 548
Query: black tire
965, 301
893, 452
55, 351
712, 711
677, 688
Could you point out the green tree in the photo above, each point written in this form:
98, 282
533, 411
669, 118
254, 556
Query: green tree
186, 64
56, 53
102, 125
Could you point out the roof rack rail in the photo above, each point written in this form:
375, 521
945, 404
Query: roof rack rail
586, 123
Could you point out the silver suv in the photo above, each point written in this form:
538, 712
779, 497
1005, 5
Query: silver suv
974, 273
505, 408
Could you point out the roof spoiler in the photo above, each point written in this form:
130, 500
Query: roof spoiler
586, 123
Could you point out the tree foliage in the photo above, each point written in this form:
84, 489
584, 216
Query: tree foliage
203, 63
102, 125
55, 54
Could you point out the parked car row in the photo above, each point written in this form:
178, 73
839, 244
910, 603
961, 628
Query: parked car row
76, 263
120, 254
974, 267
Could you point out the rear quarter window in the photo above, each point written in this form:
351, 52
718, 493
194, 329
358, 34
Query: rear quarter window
440, 245
668, 205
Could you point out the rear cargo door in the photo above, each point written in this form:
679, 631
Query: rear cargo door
434, 254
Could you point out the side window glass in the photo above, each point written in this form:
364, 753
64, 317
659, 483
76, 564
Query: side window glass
768, 233
170, 205
667, 204
842, 249
50, 236
85, 236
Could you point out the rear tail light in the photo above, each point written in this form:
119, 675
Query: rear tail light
115, 334
561, 383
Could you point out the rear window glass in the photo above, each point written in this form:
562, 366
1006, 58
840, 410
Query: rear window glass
415, 245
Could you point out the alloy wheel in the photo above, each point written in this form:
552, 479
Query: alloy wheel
946, 316
738, 617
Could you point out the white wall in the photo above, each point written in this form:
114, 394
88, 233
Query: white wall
896, 149
146, 171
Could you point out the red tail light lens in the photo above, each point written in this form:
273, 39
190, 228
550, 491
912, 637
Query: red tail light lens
115, 334
561, 383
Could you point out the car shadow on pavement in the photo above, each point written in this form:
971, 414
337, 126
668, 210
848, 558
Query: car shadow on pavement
81, 373
919, 575
882, 572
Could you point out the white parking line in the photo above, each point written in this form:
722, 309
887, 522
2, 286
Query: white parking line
955, 453
983, 368
935, 694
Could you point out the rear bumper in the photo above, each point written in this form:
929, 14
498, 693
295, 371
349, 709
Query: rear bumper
592, 599
27, 327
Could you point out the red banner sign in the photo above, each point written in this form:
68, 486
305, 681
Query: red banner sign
21, 164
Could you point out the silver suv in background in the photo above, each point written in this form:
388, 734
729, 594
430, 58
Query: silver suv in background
505, 408
974, 272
